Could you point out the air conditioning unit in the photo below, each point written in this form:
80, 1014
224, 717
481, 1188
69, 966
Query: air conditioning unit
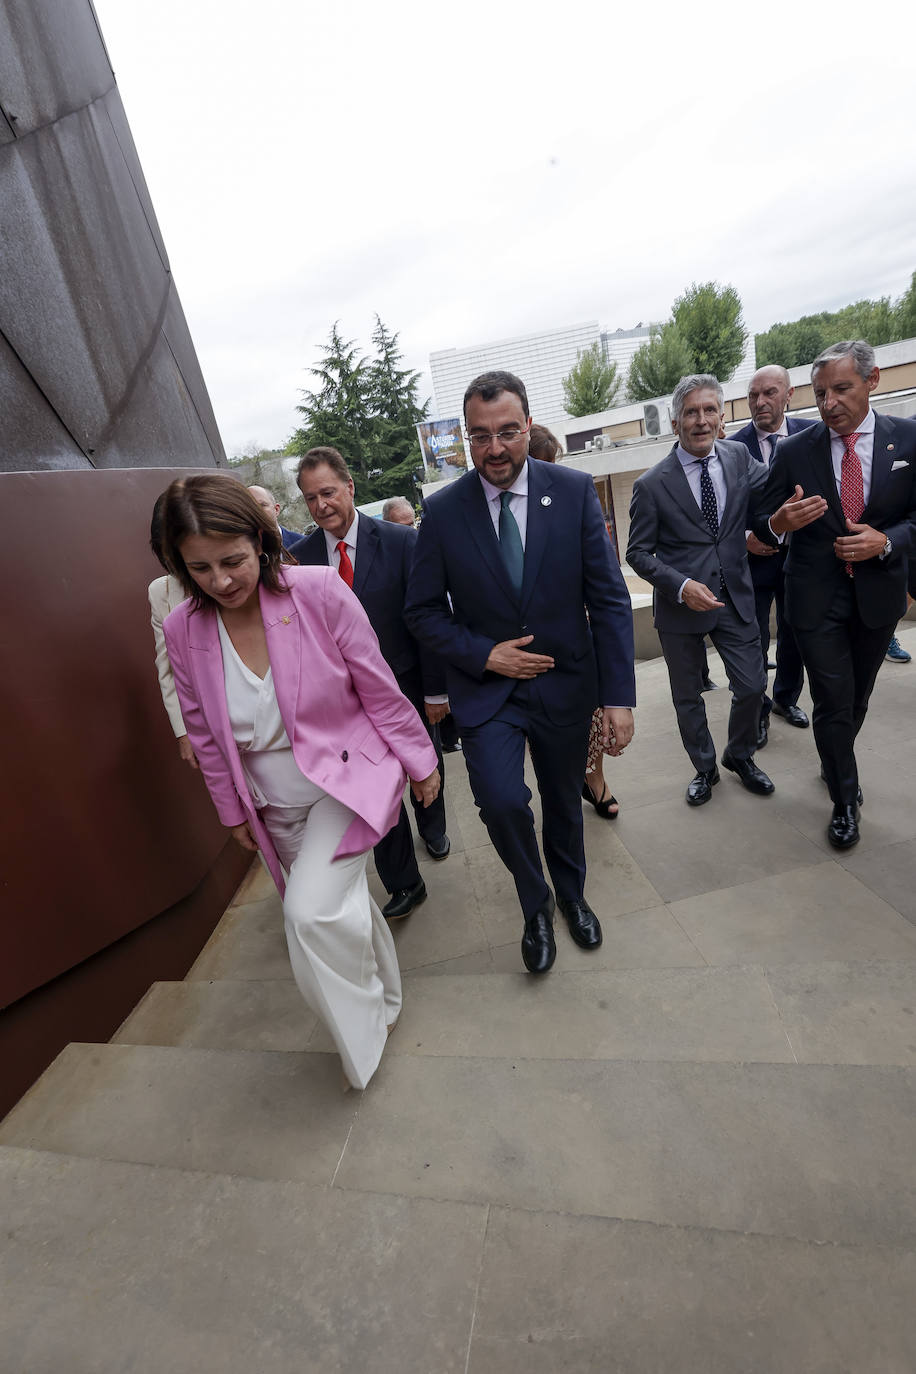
589, 444
601, 441
656, 419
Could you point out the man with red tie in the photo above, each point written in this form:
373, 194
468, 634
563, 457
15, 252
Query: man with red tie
375, 557
850, 490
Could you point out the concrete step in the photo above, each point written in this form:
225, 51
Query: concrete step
110, 1267
807, 1013
814, 1152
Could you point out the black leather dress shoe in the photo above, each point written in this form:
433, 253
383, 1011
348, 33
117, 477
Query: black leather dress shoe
438, 849
538, 947
403, 901
793, 714
749, 775
700, 790
583, 924
843, 830
763, 732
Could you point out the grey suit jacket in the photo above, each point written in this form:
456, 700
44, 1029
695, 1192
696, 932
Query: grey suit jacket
670, 540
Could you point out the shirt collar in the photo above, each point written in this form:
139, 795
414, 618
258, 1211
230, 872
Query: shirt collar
780, 433
685, 458
866, 426
349, 537
518, 488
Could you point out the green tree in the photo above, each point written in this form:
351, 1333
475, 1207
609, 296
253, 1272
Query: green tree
905, 312
708, 318
368, 409
592, 383
659, 364
335, 411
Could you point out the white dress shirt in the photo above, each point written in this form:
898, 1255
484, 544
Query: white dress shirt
518, 505
865, 448
769, 448
349, 539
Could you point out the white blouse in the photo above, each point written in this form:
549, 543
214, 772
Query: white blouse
271, 771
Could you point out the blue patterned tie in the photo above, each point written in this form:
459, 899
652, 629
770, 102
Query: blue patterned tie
708, 506
510, 543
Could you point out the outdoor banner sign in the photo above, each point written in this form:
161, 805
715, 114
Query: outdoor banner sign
442, 446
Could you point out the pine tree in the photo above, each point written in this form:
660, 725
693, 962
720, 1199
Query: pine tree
708, 319
592, 383
658, 364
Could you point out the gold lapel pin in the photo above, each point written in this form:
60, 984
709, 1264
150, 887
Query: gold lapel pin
286, 620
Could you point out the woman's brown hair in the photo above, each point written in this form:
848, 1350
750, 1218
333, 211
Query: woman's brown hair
542, 444
216, 504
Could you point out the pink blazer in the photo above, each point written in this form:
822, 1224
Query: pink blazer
351, 729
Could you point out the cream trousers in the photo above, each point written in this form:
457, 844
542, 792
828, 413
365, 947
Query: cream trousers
340, 948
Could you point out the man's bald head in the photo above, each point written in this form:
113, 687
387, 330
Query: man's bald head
267, 503
768, 397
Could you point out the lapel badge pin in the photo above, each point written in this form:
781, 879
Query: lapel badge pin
545, 500
890, 448
286, 620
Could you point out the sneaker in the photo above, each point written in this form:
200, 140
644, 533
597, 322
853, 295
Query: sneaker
895, 653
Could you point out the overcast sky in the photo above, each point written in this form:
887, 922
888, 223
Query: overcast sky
479, 170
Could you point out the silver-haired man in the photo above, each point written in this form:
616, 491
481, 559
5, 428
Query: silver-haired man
687, 537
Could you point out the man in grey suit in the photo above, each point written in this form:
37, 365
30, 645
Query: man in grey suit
687, 537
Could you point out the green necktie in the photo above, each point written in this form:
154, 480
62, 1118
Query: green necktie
510, 543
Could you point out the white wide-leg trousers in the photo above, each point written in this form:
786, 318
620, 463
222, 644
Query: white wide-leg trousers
340, 948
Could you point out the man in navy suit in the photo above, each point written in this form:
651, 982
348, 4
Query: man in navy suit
849, 487
374, 558
509, 559
768, 399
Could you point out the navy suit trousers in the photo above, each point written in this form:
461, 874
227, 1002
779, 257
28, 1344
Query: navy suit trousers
495, 756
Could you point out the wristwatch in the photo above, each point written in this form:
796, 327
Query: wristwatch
887, 548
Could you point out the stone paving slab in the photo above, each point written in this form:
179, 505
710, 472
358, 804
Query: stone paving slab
705, 1015
249, 942
848, 1013
110, 1267
561, 1295
813, 1152
736, 838
813, 914
890, 872
266, 1115
242, 1014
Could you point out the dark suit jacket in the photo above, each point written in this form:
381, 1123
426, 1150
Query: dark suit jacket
765, 571
670, 540
569, 566
384, 556
289, 537
812, 568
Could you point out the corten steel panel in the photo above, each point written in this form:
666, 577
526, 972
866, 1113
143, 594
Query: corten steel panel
104, 826
52, 60
87, 301
42, 440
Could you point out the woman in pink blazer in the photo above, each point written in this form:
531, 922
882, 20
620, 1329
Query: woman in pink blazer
304, 741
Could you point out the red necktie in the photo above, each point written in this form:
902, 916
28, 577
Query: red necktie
346, 567
852, 490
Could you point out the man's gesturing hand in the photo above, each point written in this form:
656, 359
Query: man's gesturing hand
798, 511
862, 541
510, 659
696, 596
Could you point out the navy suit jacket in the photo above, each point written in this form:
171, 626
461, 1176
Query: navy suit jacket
384, 556
765, 571
289, 537
460, 603
812, 567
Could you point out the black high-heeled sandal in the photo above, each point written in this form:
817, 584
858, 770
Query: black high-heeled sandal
604, 804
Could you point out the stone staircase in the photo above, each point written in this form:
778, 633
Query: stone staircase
693, 1150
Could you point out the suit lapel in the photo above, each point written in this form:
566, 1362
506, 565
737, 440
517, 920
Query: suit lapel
822, 462
882, 459
674, 478
283, 633
540, 511
206, 662
753, 445
368, 542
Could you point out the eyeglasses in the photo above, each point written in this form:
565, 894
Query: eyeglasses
505, 437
